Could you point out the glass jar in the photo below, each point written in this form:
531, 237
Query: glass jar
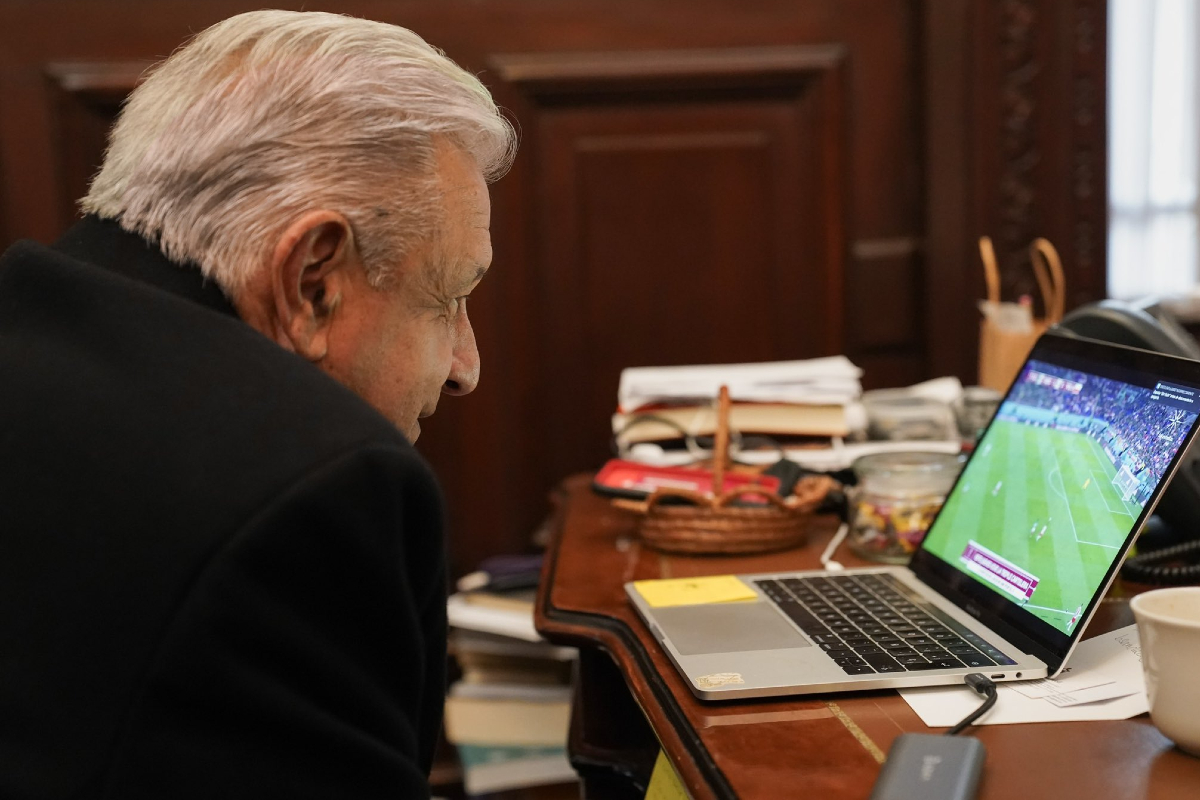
973, 410
898, 415
895, 500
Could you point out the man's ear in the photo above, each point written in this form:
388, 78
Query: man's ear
309, 273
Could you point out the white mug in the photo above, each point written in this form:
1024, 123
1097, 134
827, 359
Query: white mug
1169, 628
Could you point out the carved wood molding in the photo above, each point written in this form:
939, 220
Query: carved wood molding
1089, 143
549, 74
97, 79
1025, 49
1019, 150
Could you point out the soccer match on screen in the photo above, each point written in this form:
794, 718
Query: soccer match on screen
1057, 484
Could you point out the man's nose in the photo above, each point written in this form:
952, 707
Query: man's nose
464, 367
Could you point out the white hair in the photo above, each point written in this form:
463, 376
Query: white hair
271, 114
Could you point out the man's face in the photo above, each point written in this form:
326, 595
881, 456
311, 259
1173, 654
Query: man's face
403, 346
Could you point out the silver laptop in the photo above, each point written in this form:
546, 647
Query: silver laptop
1013, 566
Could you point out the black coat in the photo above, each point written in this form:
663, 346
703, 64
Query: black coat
222, 574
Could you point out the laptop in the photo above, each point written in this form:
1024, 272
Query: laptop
1012, 568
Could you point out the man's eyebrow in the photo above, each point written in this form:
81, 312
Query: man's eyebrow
480, 271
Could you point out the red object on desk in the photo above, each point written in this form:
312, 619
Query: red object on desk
622, 478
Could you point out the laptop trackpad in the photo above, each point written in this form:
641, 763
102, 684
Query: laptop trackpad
727, 627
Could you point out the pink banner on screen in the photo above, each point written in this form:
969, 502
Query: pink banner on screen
998, 571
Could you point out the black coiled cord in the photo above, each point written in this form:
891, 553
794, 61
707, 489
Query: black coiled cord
1156, 566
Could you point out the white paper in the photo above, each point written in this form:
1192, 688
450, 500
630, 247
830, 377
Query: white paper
1069, 680
1112, 660
945, 390
822, 459
834, 379
501, 621
1105, 691
1045, 687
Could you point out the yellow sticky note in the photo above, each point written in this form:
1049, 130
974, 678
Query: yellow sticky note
693, 591
664, 782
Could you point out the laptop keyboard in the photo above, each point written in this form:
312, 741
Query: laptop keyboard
874, 623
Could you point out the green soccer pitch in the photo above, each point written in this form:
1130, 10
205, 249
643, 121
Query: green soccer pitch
1022, 479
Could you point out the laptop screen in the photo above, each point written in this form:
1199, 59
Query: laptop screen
1058, 485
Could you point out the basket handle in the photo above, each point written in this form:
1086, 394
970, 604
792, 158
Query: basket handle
751, 489
699, 499
721, 441
658, 495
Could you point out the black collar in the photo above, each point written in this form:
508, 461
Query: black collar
106, 244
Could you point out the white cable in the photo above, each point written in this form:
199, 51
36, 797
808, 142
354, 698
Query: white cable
827, 557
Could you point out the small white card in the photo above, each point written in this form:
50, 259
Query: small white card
1103, 681
1045, 687
1105, 691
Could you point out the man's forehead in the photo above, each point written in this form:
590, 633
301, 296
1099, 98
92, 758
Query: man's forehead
461, 264
481, 220
464, 242
473, 200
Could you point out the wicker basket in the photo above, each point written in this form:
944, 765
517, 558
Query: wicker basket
709, 524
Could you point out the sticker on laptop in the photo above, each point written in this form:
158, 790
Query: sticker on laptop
719, 679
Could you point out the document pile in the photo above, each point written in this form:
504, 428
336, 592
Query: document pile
507, 715
794, 402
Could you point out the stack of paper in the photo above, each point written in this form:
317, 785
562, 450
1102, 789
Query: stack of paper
817, 380
784, 399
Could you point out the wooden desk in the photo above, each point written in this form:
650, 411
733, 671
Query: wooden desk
630, 698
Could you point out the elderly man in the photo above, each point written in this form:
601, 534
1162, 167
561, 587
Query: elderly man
221, 561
